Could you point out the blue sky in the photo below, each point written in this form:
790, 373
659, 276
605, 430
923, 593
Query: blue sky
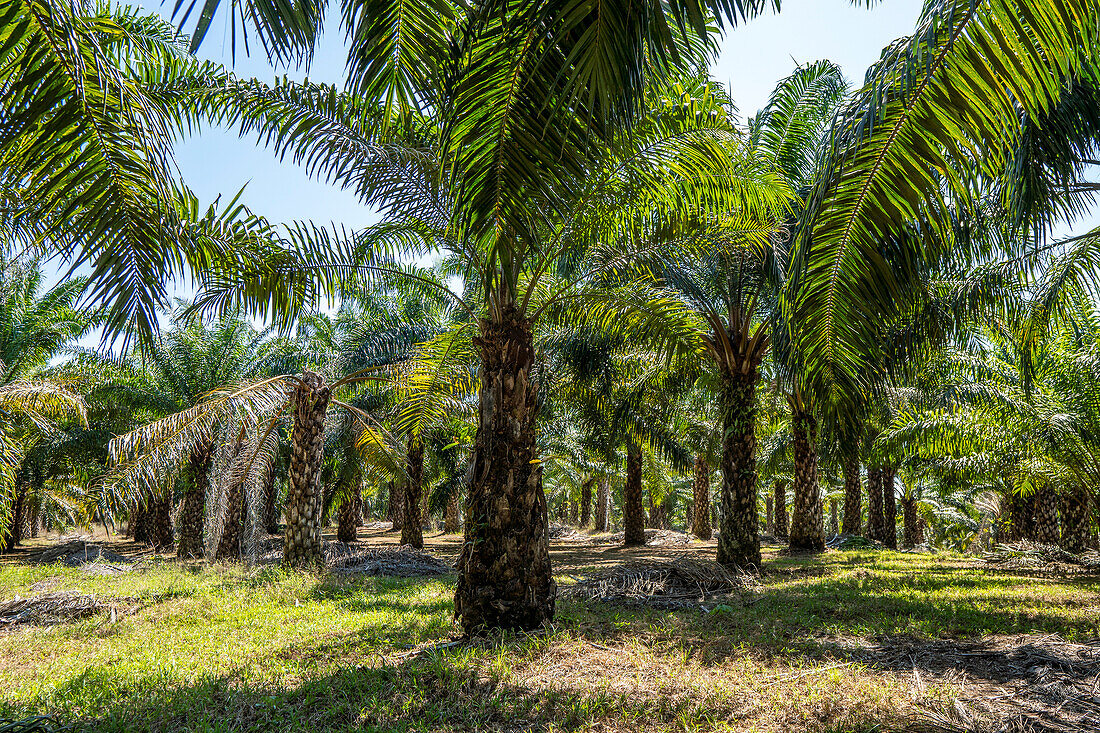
752, 59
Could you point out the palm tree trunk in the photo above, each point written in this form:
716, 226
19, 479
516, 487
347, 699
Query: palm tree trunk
807, 520
913, 532
271, 503
769, 515
15, 528
1020, 523
875, 521
348, 517
229, 544
411, 531
780, 510
140, 530
834, 517
633, 511
603, 497
504, 573
397, 505
853, 496
1046, 515
889, 509
700, 523
658, 513
1075, 519
163, 538
450, 515
586, 502
302, 542
193, 511
739, 537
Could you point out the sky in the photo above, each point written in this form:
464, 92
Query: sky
753, 58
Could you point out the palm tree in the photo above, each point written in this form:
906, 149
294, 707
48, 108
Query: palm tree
519, 256
34, 328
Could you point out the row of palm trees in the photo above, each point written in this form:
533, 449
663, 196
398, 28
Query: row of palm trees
565, 172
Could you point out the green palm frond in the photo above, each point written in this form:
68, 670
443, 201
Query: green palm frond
938, 102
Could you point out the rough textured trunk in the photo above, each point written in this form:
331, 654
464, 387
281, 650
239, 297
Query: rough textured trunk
834, 517
450, 516
914, 533
780, 510
769, 515
853, 496
504, 573
658, 513
348, 517
1075, 519
271, 503
162, 538
397, 505
603, 497
889, 509
14, 534
574, 512
700, 521
1020, 525
633, 510
411, 532
1045, 512
875, 522
739, 537
807, 520
193, 512
229, 544
141, 523
302, 541
586, 502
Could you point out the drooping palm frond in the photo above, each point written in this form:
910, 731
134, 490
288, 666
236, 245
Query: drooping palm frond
86, 150
940, 104
148, 457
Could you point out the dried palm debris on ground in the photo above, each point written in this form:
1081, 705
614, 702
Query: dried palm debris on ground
565, 533
653, 538
1023, 682
83, 552
400, 562
1035, 555
687, 582
58, 607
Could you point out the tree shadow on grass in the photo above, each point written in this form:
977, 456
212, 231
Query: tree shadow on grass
433, 691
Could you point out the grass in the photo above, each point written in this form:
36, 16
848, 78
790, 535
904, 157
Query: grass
231, 648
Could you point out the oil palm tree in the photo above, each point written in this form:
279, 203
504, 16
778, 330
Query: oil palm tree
35, 327
518, 255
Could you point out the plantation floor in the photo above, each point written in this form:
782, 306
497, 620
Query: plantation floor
845, 641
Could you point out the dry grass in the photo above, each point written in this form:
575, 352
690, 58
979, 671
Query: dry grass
847, 641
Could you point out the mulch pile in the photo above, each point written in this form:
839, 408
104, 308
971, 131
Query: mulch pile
1032, 555
684, 583
1024, 682
653, 538
398, 562
58, 607
565, 533
86, 554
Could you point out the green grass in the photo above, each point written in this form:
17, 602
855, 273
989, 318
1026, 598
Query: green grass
231, 648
